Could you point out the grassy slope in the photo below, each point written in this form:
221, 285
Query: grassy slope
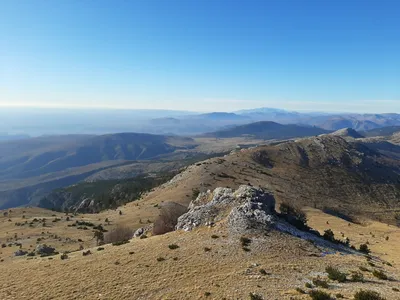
132, 271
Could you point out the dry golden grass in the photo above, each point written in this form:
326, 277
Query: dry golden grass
132, 271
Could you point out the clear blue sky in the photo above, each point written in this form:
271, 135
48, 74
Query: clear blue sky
205, 55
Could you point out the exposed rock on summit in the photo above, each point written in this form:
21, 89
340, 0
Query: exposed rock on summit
247, 208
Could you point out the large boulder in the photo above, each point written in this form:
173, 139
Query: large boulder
246, 208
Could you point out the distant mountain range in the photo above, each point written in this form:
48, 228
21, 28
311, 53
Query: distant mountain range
55, 122
268, 130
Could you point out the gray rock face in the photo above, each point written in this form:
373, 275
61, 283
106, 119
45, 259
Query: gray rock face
138, 232
44, 249
246, 208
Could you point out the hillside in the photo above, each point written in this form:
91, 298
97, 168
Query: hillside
268, 130
206, 263
348, 132
30, 168
384, 131
91, 197
324, 171
33, 157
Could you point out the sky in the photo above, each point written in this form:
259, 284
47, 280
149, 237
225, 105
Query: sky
201, 55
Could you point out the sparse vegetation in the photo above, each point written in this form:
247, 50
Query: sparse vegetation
320, 283
329, 235
364, 249
335, 274
254, 296
294, 216
173, 246
357, 277
379, 274
364, 269
320, 295
368, 295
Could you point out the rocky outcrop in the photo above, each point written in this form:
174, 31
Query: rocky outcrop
247, 208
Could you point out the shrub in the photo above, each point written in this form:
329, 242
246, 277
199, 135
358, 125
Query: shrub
308, 285
207, 294
367, 295
119, 243
357, 277
64, 256
339, 296
245, 241
119, 235
100, 249
319, 295
395, 289
380, 274
254, 296
263, 272
160, 258
214, 236
364, 269
294, 216
168, 218
300, 290
206, 249
173, 246
364, 249
329, 235
335, 274
195, 193
320, 283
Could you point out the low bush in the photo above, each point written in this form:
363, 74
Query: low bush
357, 277
173, 246
245, 241
320, 283
294, 216
364, 249
367, 295
335, 274
254, 296
380, 274
320, 295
